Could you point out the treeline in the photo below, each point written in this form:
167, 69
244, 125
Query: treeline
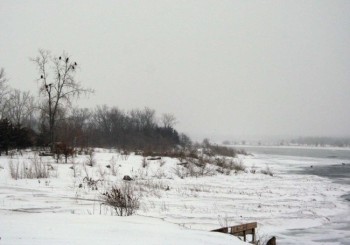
111, 127
322, 141
138, 129
26, 122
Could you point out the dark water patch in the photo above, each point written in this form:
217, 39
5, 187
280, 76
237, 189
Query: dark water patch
346, 197
339, 173
36, 210
332, 157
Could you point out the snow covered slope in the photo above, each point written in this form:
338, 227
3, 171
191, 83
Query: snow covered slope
64, 209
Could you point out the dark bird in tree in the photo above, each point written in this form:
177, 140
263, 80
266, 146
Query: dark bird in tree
41, 76
59, 58
75, 63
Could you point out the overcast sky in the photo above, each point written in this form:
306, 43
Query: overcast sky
223, 68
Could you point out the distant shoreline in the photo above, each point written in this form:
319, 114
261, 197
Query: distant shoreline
301, 147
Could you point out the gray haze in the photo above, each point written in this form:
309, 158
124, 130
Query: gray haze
224, 68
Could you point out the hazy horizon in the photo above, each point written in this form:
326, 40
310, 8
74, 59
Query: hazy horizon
228, 68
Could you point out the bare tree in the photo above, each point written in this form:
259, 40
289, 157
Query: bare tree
168, 120
3, 92
58, 87
20, 107
185, 141
143, 118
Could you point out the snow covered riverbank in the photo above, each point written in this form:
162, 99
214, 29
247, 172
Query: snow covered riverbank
280, 203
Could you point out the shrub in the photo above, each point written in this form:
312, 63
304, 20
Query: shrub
123, 199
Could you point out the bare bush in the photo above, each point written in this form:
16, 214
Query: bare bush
14, 170
221, 162
225, 165
91, 183
195, 168
180, 154
36, 169
211, 149
122, 199
237, 165
206, 170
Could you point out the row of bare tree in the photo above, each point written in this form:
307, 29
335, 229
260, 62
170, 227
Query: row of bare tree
133, 130
52, 118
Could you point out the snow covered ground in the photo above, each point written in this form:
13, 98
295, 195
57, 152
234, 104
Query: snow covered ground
63, 209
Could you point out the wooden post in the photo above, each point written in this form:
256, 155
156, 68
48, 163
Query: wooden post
253, 235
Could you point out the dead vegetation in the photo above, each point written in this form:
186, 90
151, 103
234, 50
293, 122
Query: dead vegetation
34, 169
122, 199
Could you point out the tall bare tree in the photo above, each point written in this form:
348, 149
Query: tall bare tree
58, 85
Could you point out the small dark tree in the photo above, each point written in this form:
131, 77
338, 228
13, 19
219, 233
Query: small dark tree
5, 135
